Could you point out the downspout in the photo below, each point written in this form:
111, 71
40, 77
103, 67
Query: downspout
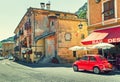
57, 46
33, 38
34, 29
21, 56
34, 43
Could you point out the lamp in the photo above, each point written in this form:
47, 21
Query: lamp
80, 26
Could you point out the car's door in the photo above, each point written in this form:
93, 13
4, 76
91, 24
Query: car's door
92, 62
83, 62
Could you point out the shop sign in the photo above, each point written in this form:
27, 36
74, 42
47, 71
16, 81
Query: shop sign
97, 41
113, 40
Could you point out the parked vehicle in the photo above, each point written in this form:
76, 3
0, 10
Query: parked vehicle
10, 57
6, 57
1, 58
94, 63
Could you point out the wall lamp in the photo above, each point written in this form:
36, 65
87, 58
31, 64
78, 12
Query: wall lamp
80, 26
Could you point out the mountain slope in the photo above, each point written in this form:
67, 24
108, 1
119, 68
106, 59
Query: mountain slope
82, 12
10, 39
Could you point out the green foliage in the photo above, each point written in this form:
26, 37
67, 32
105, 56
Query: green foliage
82, 12
0, 44
10, 39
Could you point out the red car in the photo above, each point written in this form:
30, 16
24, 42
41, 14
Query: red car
95, 63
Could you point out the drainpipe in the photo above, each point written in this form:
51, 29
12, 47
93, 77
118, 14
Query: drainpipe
57, 46
21, 57
34, 43
34, 30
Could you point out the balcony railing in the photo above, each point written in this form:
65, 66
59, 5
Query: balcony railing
21, 32
27, 25
44, 35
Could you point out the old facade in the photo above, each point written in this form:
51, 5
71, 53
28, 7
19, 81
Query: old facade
104, 24
43, 34
8, 48
104, 18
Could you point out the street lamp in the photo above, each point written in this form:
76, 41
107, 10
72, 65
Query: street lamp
80, 26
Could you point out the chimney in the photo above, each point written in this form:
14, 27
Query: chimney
48, 6
42, 5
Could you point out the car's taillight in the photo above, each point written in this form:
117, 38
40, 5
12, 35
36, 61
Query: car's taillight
109, 65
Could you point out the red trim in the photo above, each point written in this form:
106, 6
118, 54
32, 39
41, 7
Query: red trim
112, 37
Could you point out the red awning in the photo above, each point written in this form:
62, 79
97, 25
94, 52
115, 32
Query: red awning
95, 37
111, 35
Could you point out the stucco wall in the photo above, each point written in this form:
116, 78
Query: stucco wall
8, 48
95, 12
70, 26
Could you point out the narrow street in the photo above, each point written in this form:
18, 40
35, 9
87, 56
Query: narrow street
14, 72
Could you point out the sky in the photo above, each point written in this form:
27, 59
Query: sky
12, 11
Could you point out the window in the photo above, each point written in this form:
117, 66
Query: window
84, 58
52, 23
109, 11
57, 14
102, 58
67, 36
74, 53
92, 58
82, 36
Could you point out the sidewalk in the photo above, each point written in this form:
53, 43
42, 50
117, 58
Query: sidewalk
36, 65
116, 70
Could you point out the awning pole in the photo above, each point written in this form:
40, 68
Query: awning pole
102, 52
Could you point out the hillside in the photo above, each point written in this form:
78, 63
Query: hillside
82, 12
11, 39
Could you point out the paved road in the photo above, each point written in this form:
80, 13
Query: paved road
14, 72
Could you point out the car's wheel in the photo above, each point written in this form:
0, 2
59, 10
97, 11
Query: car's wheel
96, 70
75, 68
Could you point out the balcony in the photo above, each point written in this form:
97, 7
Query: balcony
24, 43
44, 35
27, 25
21, 32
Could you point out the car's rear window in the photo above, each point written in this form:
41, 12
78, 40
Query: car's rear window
84, 58
102, 58
92, 58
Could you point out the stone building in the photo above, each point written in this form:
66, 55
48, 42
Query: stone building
104, 23
43, 34
8, 48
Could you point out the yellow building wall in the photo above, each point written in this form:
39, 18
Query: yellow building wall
70, 26
40, 45
66, 23
8, 48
